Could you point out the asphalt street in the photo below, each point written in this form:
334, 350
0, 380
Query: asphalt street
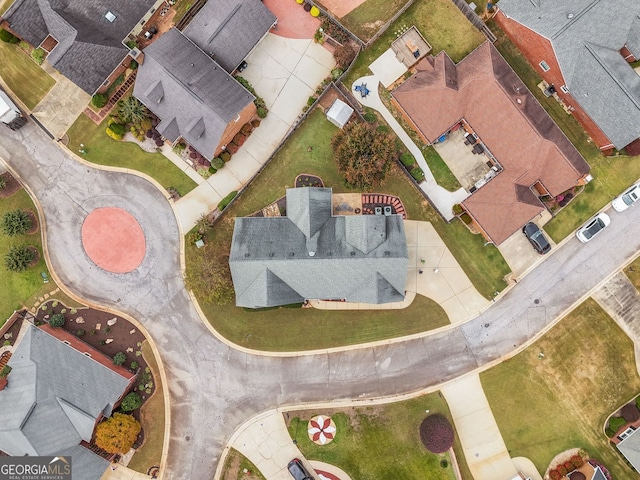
214, 388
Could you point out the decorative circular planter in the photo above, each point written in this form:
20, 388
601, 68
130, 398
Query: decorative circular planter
322, 430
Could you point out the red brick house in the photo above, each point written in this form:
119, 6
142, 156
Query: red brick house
582, 49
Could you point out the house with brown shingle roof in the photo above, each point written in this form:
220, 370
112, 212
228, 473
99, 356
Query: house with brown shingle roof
531, 154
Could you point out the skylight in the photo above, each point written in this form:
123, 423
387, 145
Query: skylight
110, 16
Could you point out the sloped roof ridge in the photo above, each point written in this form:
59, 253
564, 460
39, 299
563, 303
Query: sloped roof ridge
574, 19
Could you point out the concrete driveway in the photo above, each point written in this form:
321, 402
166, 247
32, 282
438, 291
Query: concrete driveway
285, 72
214, 387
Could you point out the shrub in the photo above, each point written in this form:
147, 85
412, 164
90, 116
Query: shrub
382, 129
99, 100
616, 423
119, 358
417, 174
246, 129
407, 159
145, 124
226, 200
630, 412
38, 55
134, 366
232, 148
609, 433
18, 258
307, 7
213, 169
118, 128
225, 156
239, 139
112, 134
57, 320
638, 401
569, 466
262, 112
315, 11
131, 402
8, 37
344, 55
16, 222
80, 333
117, 434
555, 475
133, 65
217, 163
255, 123
565, 199
370, 117
436, 433
336, 72
562, 470
311, 100
131, 110
6, 370
3, 183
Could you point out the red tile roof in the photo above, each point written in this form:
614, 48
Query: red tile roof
484, 90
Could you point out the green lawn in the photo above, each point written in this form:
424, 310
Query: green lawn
319, 329
381, 442
23, 76
441, 24
543, 407
367, 18
17, 287
234, 467
150, 453
4, 5
611, 174
106, 151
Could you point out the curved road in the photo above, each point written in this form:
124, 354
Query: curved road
214, 388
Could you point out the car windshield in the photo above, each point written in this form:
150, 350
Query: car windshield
594, 228
630, 197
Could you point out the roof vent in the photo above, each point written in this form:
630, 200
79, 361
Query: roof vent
569, 16
110, 16
312, 254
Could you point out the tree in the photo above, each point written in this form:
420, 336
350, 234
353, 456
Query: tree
16, 222
131, 110
211, 279
436, 433
117, 434
57, 320
99, 100
8, 37
364, 155
131, 402
119, 358
18, 258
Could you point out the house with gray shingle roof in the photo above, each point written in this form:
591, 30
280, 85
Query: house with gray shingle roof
229, 30
582, 48
87, 35
630, 447
195, 98
311, 254
54, 397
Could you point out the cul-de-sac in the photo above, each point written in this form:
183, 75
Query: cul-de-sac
319, 239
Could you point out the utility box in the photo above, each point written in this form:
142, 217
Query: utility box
10, 114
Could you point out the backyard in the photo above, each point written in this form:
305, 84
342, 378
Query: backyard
611, 174
23, 76
17, 287
102, 150
367, 18
545, 405
381, 441
441, 24
309, 151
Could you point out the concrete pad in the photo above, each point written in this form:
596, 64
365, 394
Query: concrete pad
292, 98
519, 253
526, 466
61, 106
270, 75
242, 165
263, 140
465, 165
224, 181
122, 473
484, 449
202, 199
187, 169
456, 278
455, 310
472, 300
387, 68
313, 65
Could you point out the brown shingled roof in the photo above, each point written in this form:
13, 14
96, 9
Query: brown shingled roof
484, 90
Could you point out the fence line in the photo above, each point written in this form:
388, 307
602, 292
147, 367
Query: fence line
384, 27
473, 17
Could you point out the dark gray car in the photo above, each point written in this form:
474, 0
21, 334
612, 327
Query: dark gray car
297, 470
536, 238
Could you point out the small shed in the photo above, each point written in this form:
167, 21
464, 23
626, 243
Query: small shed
339, 113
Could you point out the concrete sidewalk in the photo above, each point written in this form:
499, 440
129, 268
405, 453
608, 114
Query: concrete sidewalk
442, 199
484, 449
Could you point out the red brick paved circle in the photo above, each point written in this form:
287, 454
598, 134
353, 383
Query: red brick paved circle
113, 239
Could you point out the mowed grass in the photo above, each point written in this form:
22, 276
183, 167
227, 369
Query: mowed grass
441, 24
545, 406
23, 76
234, 467
310, 328
153, 420
611, 174
381, 442
367, 18
17, 287
633, 272
103, 150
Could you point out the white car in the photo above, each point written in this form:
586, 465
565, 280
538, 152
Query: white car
627, 199
593, 227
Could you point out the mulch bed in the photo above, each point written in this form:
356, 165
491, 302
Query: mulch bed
12, 185
36, 255
34, 222
10, 336
307, 180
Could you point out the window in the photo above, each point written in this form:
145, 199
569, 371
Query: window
544, 66
564, 89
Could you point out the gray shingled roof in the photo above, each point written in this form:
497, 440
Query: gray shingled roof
229, 29
192, 95
630, 448
53, 398
90, 46
283, 260
587, 36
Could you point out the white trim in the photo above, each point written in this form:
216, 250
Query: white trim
564, 89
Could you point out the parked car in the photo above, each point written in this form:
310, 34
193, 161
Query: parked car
627, 199
297, 470
593, 227
536, 238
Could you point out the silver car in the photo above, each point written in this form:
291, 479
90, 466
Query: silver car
593, 227
627, 199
